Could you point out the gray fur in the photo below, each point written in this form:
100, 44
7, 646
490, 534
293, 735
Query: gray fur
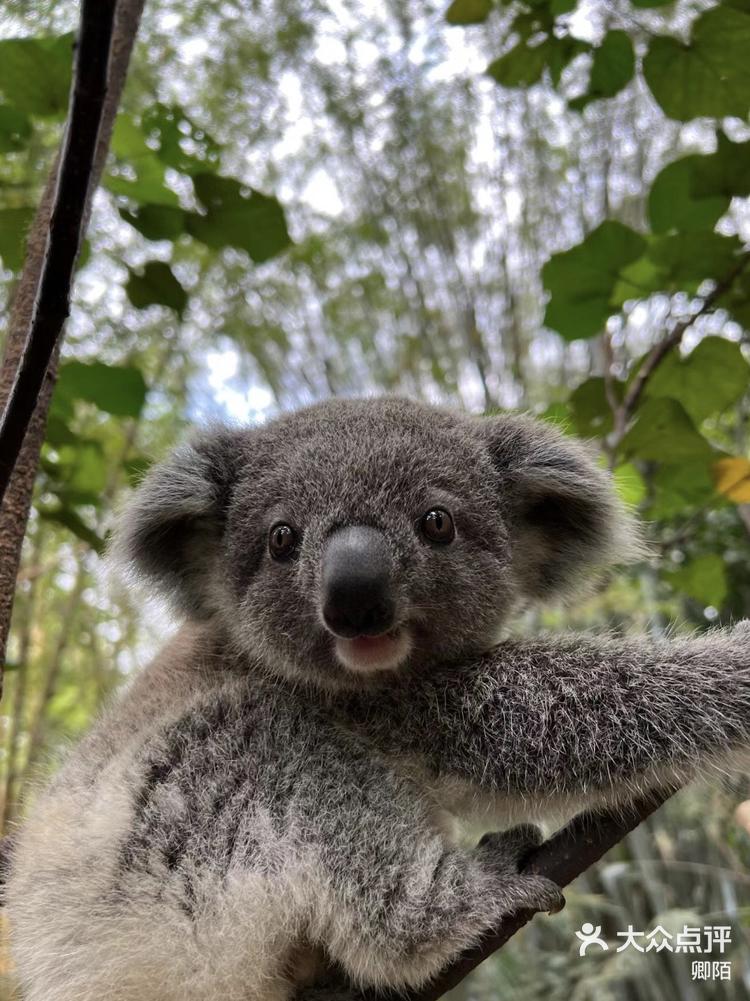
252, 803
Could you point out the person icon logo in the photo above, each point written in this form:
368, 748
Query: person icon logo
589, 935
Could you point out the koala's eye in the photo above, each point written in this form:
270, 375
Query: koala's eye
437, 526
282, 541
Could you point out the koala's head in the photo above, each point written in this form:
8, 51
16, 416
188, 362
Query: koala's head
357, 537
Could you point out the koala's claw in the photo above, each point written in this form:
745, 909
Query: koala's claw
506, 852
531, 892
550, 897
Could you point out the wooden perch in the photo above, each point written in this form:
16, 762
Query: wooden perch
67, 223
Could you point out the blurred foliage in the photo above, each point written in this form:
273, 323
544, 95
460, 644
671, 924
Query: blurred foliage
520, 237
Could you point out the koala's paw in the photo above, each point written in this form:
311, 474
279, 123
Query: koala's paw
510, 849
506, 852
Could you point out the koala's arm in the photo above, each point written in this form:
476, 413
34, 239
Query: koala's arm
577, 719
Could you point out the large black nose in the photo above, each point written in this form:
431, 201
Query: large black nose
356, 582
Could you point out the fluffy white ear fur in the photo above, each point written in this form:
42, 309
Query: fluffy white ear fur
568, 522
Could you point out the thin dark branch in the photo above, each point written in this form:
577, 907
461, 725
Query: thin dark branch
52, 300
662, 348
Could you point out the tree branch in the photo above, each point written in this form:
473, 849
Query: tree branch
52, 304
661, 349
67, 196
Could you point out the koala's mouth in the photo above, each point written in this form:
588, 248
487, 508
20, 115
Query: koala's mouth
366, 654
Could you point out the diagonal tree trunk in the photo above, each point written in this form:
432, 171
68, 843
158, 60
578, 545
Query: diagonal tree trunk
17, 501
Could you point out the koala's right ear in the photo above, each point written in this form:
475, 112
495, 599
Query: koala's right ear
566, 520
170, 534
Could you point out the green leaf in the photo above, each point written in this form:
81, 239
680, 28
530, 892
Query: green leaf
15, 129
612, 68
83, 468
134, 157
677, 262
468, 11
62, 407
581, 281
35, 74
711, 378
147, 186
253, 222
115, 389
136, 468
703, 578
613, 65
156, 285
76, 472
58, 432
156, 222
71, 520
672, 205
685, 260
14, 225
558, 7
693, 193
559, 414
664, 432
592, 414
679, 488
737, 300
629, 484
522, 66
526, 23
725, 172
637, 281
180, 143
563, 51
710, 75
651, 3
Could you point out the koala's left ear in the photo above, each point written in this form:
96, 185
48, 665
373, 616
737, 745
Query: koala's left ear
566, 519
170, 534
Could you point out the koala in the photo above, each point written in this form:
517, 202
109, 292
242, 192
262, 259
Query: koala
278, 789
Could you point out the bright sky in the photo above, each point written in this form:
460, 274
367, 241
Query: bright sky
251, 403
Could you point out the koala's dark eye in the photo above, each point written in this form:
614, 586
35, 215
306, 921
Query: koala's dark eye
282, 541
437, 526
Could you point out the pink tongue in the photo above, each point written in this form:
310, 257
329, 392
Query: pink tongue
370, 643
